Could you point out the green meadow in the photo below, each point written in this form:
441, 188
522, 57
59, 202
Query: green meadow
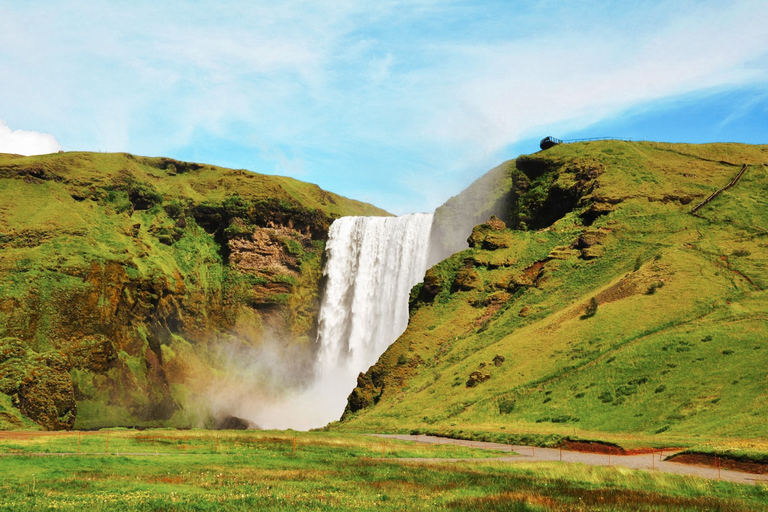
502, 343
263, 470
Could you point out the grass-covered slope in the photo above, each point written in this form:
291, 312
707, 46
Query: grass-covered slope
609, 308
123, 279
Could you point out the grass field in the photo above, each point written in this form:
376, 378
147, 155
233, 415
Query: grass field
676, 350
236, 470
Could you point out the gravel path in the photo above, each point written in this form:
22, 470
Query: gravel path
647, 461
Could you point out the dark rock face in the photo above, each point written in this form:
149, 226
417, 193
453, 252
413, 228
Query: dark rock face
541, 197
39, 384
589, 243
468, 278
235, 423
364, 395
432, 286
489, 235
118, 305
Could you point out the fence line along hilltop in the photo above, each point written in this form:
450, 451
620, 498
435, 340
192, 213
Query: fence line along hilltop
549, 141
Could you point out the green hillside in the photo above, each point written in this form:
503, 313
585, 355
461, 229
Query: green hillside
607, 309
122, 277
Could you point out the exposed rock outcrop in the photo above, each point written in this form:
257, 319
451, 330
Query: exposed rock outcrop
120, 300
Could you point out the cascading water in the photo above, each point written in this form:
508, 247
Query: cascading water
372, 264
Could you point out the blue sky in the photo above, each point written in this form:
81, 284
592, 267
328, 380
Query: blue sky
399, 103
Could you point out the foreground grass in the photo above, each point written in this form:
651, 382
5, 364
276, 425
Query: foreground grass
245, 470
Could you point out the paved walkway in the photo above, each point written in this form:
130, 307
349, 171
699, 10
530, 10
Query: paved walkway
647, 461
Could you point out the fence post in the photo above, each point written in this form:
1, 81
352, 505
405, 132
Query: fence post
717, 461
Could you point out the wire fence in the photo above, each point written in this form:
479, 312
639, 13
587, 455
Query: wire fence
548, 142
568, 141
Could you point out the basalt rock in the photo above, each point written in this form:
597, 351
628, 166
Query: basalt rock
123, 279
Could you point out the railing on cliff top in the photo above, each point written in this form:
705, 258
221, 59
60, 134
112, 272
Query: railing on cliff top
548, 142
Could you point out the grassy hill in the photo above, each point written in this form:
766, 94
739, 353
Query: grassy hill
127, 283
605, 308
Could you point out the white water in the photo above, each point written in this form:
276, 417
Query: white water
372, 264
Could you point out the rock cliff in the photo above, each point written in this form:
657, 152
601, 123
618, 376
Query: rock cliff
124, 280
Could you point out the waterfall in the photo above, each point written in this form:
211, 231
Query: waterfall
372, 264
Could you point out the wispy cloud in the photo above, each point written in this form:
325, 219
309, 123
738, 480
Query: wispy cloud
414, 90
569, 80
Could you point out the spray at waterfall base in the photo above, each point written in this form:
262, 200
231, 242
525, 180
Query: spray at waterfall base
372, 264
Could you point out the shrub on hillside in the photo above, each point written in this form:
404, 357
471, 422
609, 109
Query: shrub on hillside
591, 309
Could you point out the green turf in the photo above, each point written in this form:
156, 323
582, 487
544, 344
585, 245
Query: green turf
204, 470
119, 279
676, 350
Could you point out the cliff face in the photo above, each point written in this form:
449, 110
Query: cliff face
595, 301
122, 278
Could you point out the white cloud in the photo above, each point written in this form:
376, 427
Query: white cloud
430, 87
568, 81
23, 142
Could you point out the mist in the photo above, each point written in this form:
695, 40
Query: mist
372, 264
254, 382
491, 194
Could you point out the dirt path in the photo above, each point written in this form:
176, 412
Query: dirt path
647, 461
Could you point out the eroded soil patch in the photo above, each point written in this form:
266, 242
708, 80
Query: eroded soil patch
706, 459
